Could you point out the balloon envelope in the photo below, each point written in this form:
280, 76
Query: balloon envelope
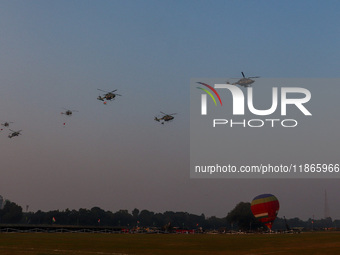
265, 208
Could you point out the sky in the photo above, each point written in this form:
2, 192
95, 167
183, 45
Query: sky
56, 54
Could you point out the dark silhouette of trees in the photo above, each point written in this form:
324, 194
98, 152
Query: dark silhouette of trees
135, 213
146, 218
11, 213
239, 218
242, 218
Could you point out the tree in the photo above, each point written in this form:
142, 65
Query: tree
146, 218
122, 218
135, 213
243, 217
98, 215
11, 213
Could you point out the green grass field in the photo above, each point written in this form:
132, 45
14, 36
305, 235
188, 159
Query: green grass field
251, 244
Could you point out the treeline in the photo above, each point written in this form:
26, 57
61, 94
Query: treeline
240, 218
13, 214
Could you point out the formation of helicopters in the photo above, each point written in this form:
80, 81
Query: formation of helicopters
111, 95
108, 96
243, 82
13, 133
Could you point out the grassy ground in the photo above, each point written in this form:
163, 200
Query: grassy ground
105, 244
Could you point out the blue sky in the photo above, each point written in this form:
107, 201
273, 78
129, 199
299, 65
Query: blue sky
56, 54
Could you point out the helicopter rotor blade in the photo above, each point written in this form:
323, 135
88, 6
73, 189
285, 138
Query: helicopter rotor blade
70, 110
117, 95
103, 90
254, 77
113, 91
168, 114
243, 75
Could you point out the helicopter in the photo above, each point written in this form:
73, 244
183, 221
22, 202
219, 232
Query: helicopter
245, 81
14, 133
6, 124
68, 112
165, 117
108, 95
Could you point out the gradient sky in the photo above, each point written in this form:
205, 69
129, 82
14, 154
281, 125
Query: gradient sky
56, 54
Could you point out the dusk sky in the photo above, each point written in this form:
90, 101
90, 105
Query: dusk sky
56, 54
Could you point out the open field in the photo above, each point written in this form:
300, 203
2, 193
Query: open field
105, 244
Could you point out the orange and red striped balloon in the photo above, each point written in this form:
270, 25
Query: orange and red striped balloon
265, 208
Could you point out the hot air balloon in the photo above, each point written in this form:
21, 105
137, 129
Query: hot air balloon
265, 208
